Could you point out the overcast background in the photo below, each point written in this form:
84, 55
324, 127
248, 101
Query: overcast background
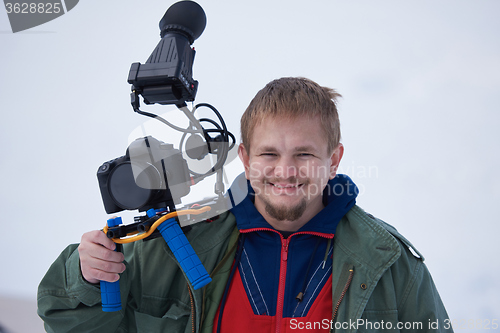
420, 82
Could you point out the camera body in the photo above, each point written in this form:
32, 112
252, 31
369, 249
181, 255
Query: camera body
152, 174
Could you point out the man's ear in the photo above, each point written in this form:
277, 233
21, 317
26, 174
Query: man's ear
336, 158
245, 159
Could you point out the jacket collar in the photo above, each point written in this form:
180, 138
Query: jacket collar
339, 197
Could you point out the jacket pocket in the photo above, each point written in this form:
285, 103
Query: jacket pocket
379, 322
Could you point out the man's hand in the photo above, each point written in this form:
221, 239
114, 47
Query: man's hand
98, 260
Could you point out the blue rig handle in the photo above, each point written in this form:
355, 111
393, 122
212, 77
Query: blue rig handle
110, 291
184, 253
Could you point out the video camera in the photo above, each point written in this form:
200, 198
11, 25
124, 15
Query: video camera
153, 174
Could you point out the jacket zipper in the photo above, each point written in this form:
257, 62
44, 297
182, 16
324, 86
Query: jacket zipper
192, 310
283, 267
281, 287
344, 291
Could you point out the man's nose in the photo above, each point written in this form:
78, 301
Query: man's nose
285, 168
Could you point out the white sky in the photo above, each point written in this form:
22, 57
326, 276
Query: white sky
420, 82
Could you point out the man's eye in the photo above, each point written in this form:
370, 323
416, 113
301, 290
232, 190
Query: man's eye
268, 154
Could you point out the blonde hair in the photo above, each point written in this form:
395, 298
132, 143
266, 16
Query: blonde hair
291, 97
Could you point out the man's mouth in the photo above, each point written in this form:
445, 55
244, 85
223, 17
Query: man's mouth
285, 185
280, 187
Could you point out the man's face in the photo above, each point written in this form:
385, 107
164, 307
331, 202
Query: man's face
288, 167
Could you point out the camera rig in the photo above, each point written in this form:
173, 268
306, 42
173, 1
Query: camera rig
153, 176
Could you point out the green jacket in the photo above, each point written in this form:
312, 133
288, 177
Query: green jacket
377, 284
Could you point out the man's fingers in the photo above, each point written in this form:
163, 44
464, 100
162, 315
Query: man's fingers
98, 237
98, 261
100, 252
103, 276
114, 266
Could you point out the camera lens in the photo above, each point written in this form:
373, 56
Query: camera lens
125, 191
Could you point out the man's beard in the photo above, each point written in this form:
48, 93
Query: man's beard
283, 213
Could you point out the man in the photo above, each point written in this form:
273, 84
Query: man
296, 254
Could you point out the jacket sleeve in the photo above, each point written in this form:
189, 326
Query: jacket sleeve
68, 303
421, 303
